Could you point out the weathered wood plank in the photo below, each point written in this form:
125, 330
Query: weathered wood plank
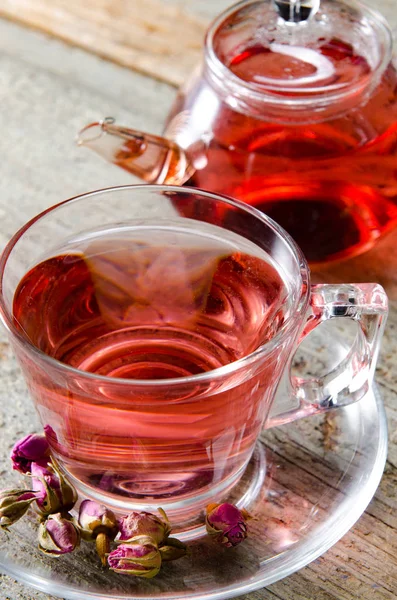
157, 39
162, 39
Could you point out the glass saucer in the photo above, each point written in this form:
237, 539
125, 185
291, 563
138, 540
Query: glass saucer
320, 475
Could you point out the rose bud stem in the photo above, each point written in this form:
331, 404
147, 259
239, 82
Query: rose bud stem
102, 545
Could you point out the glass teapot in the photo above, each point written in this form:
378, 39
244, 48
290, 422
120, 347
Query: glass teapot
294, 111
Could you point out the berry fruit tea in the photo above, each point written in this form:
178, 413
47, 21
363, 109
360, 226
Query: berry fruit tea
154, 303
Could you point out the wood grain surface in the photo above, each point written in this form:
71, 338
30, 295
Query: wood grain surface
48, 90
161, 40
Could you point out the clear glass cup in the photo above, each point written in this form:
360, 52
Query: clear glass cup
156, 347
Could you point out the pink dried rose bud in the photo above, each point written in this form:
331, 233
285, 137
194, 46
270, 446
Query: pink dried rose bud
53, 492
140, 557
144, 523
13, 505
32, 448
58, 535
226, 523
97, 524
94, 519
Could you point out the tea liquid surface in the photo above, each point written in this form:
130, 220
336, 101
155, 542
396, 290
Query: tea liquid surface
124, 307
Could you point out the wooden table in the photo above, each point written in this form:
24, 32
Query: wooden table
48, 90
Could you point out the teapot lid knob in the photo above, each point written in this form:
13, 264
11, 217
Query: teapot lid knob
296, 11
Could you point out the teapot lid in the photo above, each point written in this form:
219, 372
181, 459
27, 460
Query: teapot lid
317, 55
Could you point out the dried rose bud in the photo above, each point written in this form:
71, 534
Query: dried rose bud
32, 448
97, 523
58, 535
13, 505
95, 518
144, 523
172, 549
140, 557
54, 493
226, 523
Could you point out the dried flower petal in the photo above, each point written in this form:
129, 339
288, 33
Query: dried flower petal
226, 523
140, 557
144, 523
58, 535
32, 448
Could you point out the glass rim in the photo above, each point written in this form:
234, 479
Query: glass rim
306, 97
218, 373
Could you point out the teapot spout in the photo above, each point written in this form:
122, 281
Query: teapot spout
152, 158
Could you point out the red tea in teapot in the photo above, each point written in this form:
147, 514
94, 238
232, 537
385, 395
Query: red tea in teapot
298, 119
332, 185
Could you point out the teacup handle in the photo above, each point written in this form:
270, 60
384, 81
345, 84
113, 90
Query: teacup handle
349, 381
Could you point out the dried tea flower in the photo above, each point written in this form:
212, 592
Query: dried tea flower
32, 448
144, 523
13, 505
95, 518
58, 535
226, 523
97, 523
139, 557
54, 492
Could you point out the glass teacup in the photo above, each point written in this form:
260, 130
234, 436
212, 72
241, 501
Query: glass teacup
156, 347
